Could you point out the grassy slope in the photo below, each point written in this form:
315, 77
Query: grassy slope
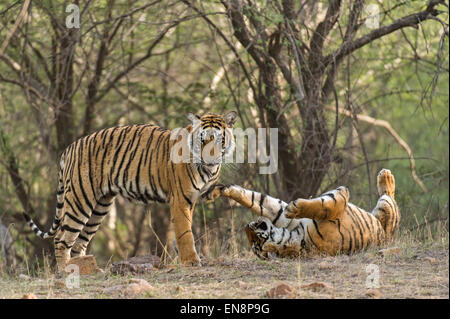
418, 271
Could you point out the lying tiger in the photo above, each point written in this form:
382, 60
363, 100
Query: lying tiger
327, 224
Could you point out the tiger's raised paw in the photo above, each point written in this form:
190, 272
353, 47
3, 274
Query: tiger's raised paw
386, 183
295, 208
216, 191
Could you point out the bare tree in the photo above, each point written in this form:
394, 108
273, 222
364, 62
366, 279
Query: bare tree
68, 63
281, 43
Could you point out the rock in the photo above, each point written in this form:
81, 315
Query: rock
86, 264
281, 290
138, 286
29, 296
134, 288
373, 293
136, 265
389, 251
317, 286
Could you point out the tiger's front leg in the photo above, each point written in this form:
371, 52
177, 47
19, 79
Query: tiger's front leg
260, 204
182, 213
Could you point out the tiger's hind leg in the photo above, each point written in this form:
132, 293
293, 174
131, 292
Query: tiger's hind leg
386, 209
327, 206
100, 211
74, 219
386, 183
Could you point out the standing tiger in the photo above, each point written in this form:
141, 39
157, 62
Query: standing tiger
327, 224
136, 162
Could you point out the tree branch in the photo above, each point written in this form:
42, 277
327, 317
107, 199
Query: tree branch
227, 42
95, 81
13, 169
320, 34
408, 21
133, 65
15, 26
241, 31
386, 125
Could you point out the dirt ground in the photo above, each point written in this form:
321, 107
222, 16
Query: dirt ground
419, 271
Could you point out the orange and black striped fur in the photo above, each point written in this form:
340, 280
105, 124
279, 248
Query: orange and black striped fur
136, 162
327, 224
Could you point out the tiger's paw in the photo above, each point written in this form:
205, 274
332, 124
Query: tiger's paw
189, 264
295, 208
231, 191
217, 191
386, 183
289, 251
191, 261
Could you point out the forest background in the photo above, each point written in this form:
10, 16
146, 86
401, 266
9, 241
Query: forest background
353, 86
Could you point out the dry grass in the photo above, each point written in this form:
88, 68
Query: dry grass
420, 270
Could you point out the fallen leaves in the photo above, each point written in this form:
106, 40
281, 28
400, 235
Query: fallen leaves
179, 289
374, 294
281, 290
389, 251
59, 284
317, 286
431, 260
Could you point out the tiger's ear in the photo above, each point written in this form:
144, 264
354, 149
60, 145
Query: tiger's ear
230, 118
195, 119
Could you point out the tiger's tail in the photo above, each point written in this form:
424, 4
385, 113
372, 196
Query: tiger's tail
39, 232
59, 206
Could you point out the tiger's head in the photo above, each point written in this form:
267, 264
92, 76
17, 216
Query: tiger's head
258, 235
211, 137
265, 238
